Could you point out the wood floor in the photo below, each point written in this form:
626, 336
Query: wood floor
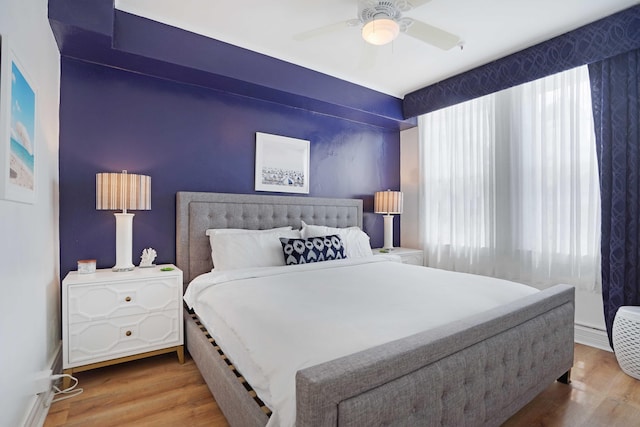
160, 392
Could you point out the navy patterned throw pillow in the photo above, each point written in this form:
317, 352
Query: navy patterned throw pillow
313, 249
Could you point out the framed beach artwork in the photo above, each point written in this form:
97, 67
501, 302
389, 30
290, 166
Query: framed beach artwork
282, 164
17, 129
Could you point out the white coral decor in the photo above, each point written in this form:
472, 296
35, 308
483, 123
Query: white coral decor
148, 255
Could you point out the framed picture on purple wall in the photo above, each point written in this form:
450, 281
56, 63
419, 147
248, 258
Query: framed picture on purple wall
282, 164
17, 129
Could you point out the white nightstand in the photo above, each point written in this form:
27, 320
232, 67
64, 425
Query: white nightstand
407, 255
113, 317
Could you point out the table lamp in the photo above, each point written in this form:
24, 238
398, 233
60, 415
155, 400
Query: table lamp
388, 203
115, 191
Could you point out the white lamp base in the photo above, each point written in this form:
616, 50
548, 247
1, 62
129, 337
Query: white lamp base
388, 231
124, 239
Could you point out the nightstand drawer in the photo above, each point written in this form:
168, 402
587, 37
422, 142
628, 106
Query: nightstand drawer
121, 336
101, 301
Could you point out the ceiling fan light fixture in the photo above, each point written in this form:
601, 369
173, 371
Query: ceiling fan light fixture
380, 31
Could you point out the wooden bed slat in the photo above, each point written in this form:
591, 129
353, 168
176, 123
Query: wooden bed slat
237, 373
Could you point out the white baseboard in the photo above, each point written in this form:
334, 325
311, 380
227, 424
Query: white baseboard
41, 402
592, 337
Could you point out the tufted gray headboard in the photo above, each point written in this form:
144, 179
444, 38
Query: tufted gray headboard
196, 212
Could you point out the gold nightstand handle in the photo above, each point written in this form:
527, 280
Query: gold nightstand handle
127, 299
128, 333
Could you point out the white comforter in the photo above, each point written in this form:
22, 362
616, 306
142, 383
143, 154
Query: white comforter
272, 322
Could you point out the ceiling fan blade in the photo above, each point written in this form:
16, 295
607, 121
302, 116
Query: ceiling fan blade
432, 35
417, 3
327, 29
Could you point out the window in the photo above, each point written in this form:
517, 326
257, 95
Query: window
510, 186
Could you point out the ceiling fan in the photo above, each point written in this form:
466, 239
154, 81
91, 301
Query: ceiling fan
382, 21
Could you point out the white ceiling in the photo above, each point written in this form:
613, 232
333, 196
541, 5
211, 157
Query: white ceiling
490, 29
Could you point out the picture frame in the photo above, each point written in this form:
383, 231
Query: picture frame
282, 164
18, 98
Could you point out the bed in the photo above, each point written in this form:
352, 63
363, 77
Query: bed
479, 370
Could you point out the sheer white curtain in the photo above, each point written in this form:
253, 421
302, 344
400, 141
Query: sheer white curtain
509, 184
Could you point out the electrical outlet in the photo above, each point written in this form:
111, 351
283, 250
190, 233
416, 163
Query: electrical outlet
42, 381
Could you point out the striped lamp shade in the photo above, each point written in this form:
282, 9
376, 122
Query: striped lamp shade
115, 191
387, 202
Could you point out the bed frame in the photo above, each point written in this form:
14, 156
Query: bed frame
477, 371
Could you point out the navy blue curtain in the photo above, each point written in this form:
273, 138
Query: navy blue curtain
616, 109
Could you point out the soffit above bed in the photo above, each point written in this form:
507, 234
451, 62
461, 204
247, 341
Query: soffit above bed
96, 32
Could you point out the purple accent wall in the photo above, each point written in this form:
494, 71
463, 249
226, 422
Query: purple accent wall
189, 138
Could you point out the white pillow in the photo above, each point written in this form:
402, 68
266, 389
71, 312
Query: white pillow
246, 249
356, 241
213, 232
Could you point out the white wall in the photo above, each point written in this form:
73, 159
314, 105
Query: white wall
589, 315
29, 242
409, 177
